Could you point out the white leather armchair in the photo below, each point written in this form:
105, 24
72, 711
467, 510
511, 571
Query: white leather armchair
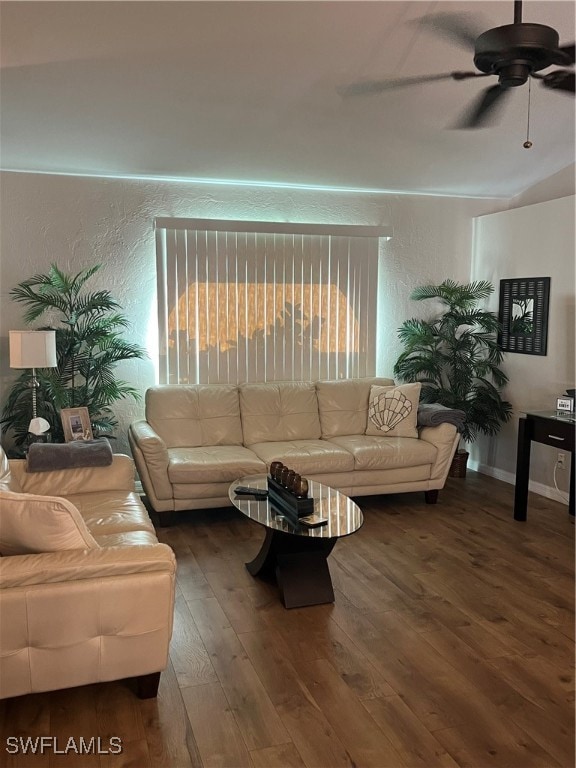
102, 612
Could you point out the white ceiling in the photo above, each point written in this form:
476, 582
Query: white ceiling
248, 91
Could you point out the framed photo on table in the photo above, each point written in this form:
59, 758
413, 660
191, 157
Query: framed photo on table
76, 424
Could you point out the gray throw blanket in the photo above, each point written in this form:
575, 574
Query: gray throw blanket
44, 457
432, 414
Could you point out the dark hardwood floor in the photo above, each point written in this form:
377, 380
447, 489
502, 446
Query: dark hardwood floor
451, 643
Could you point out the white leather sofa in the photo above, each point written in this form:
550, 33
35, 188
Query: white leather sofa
195, 440
86, 590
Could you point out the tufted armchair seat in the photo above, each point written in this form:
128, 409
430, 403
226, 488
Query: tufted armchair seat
86, 590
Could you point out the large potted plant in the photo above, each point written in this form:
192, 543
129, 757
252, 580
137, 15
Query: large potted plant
89, 345
456, 357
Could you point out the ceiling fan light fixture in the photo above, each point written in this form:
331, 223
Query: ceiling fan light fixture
514, 74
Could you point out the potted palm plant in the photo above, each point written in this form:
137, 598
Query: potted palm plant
456, 357
89, 345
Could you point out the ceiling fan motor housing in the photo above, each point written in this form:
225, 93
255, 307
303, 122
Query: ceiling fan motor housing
514, 51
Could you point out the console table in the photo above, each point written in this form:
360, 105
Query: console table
548, 427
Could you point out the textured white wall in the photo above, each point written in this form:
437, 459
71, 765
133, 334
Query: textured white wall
432, 241
76, 222
533, 241
560, 184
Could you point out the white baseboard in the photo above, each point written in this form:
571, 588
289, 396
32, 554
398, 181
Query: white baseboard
509, 477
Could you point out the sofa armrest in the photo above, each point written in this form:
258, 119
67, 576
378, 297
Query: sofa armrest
73, 565
443, 434
118, 476
151, 457
84, 616
445, 438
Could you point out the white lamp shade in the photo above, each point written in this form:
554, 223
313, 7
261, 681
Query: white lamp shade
33, 349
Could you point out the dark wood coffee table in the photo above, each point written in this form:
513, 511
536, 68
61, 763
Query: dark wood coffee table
296, 557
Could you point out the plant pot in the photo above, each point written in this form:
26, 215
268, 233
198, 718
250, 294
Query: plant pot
458, 466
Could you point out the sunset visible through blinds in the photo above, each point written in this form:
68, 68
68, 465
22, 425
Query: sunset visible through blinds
216, 315
263, 305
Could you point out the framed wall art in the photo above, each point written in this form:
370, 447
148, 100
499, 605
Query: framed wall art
523, 315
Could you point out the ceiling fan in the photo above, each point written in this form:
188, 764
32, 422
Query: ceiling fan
513, 53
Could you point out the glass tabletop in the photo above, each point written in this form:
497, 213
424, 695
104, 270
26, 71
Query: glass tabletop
344, 516
567, 416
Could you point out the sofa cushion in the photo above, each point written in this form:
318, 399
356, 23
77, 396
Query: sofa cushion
393, 411
343, 405
371, 452
307, 457
278, 411
212, 464
112, 512
127, 539
193, 416
207, 492
32, 524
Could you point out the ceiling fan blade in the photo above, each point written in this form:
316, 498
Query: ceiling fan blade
560, 80
378, 86
457, 27
484, 108
566, 54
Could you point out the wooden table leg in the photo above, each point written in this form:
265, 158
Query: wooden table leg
300, 566
304, 579
572, 483
264, 564
522, 470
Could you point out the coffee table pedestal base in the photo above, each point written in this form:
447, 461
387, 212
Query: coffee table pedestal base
299, 565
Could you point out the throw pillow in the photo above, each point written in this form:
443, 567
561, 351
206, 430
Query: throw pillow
392, 411
31, 524
45, 457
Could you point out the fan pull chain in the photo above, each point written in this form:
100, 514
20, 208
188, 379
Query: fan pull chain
528, 144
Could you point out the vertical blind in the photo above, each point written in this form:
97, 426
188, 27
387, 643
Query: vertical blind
253, 301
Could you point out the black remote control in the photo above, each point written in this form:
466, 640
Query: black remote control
245, 490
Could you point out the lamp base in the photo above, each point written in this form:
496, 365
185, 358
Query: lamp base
45, 437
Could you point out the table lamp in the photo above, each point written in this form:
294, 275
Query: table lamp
33, 349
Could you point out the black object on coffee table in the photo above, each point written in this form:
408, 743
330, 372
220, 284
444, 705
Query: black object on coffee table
288, 501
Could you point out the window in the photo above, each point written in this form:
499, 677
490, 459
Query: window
252, 301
